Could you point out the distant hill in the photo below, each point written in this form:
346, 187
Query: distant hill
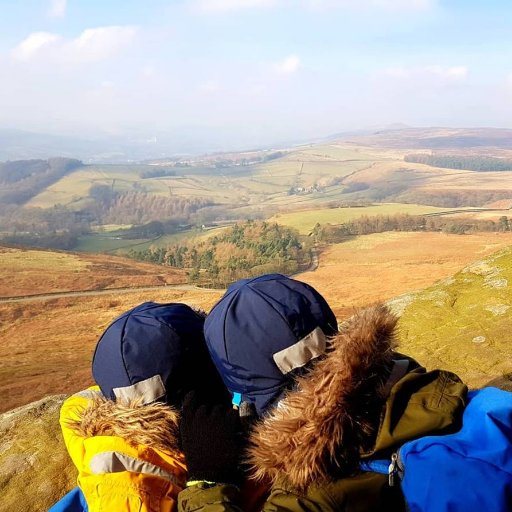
435, 138
186, 193
464, 323
21, 180
131, 147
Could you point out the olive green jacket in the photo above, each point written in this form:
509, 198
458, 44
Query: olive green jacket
305, 447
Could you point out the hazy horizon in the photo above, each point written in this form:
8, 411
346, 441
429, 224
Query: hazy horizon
235, 74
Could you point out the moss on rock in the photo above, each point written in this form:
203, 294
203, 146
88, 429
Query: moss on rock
464, 324
35, 468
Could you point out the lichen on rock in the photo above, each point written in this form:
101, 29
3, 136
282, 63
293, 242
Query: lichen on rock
35, 468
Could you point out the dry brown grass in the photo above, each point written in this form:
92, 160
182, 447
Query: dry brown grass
31, 271
47, 346
431, 179
384, 265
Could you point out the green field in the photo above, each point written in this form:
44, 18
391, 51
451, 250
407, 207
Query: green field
304, 221
101, 242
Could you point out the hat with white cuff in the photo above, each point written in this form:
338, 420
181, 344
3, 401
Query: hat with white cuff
263, 332
149, 353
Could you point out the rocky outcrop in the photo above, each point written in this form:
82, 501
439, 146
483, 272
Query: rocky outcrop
464, 323
35, 469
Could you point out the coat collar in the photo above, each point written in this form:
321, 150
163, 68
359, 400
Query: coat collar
321, 427
154, 425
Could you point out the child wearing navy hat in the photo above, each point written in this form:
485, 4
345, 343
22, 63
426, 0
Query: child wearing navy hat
122, 434
325, 401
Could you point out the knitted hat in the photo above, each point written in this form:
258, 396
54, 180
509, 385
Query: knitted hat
153, 352
263, 332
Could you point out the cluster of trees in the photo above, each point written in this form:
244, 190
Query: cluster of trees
469, 162
153, 229
65, 240
156, 173
23, 179
135, 207
454, 198
226, 162
404, 222
245, 250
56, 228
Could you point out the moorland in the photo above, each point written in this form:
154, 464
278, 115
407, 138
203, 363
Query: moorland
363, 218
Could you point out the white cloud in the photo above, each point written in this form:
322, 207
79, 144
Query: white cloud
102, 42
34, 44
454, 73
431, 75
231, 5
288, 66
57, 8
93, 44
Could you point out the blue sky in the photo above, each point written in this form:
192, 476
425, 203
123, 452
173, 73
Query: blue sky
253, 71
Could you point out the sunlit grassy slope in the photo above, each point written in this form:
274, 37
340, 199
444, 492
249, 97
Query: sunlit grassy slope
305, 220
31, 271
380, 266
464, 323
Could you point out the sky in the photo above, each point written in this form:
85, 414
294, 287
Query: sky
252, 71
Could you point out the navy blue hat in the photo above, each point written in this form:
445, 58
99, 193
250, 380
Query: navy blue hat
263, 331
149, 352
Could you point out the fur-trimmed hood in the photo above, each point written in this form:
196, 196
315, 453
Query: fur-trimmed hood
320, 429
154, 425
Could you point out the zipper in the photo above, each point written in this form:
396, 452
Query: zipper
395, 470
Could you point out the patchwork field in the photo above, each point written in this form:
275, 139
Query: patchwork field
254, 183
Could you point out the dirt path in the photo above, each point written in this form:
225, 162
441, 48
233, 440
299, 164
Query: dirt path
107, 291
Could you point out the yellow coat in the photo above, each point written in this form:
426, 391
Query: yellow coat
117, 475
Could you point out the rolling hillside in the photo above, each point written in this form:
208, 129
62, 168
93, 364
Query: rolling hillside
300, 177
215, 190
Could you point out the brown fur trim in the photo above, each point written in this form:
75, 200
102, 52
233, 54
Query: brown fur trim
154, 425
319, 430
